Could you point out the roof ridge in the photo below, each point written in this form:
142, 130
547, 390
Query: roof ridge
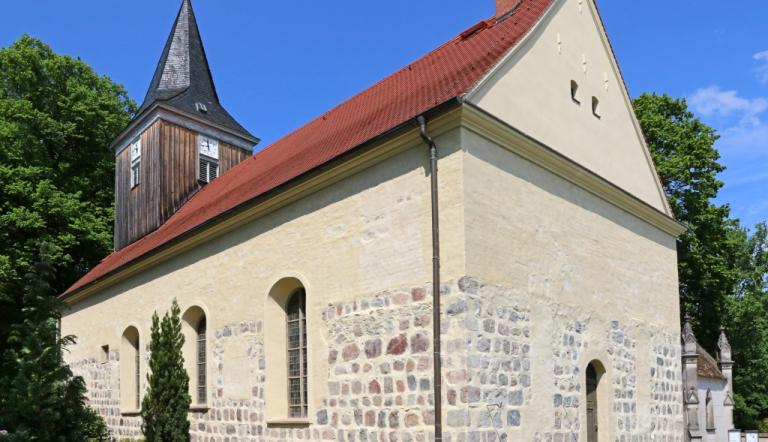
409, 66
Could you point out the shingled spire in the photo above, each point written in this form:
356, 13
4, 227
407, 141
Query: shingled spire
183, 78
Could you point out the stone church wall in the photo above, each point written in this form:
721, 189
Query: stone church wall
379, 378
559, 278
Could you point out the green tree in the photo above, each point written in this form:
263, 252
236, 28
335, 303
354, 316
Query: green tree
723, 270
42, 400
748, 332
166, 404
708, 253
57, 120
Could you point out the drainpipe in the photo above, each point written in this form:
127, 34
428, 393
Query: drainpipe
436, 363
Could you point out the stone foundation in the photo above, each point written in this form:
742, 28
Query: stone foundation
379, 380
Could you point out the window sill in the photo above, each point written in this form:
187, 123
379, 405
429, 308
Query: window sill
300, 422
130, 413
199, 408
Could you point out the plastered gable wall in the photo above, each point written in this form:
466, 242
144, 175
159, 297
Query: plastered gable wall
531, 91
363, 242
593, 282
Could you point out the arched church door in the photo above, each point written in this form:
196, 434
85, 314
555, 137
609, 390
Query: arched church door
592, 381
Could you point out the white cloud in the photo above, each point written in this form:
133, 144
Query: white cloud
743, 128
762, 70
713, 101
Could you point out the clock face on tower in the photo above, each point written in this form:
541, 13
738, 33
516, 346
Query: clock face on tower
209, 147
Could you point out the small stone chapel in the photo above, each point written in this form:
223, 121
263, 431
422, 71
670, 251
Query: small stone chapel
475, 248
708, 389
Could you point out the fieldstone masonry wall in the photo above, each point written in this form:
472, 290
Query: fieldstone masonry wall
103, 383
666, 389
380, 387
567, 344
486, 363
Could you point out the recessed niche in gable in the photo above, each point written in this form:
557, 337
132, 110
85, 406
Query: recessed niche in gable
575, 92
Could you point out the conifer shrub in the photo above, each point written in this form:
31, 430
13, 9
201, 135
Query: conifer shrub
166, 404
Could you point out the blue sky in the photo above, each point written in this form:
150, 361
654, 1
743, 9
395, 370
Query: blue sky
279, 64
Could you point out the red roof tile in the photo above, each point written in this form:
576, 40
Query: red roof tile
446, 73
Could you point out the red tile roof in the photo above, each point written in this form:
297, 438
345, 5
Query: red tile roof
444, 74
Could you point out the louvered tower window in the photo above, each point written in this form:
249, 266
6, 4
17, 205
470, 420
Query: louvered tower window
201, 361
208, 159
135, 163
297, 354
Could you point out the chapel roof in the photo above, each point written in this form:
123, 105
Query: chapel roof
707, 366
443, 75
183, 79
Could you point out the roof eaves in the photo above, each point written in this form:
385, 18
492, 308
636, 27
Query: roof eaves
142, 117
361, 148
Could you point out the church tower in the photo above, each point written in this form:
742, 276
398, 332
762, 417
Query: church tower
180, 140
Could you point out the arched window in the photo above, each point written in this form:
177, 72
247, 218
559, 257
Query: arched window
595, 393
196, 354
201, 362
288, 356
710, 412
130, 371
296, 327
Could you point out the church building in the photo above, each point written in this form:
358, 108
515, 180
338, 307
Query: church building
475, 248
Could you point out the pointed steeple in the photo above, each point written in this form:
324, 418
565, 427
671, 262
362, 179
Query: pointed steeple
183, 79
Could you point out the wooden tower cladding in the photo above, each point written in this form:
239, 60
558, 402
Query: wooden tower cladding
181, 138
169, 176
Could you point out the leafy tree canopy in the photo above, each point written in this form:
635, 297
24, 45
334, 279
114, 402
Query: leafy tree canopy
57, 120
687, 161
723, 270
747, 324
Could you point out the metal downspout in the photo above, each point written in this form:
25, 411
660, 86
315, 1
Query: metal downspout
437, 363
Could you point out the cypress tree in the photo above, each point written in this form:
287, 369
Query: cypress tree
166, 404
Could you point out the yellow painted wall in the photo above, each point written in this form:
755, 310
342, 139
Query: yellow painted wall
568, 256
531, 92
368, 233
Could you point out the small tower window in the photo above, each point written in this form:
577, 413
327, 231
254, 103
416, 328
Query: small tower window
208, 154
575, 92
135, 163
596, 107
